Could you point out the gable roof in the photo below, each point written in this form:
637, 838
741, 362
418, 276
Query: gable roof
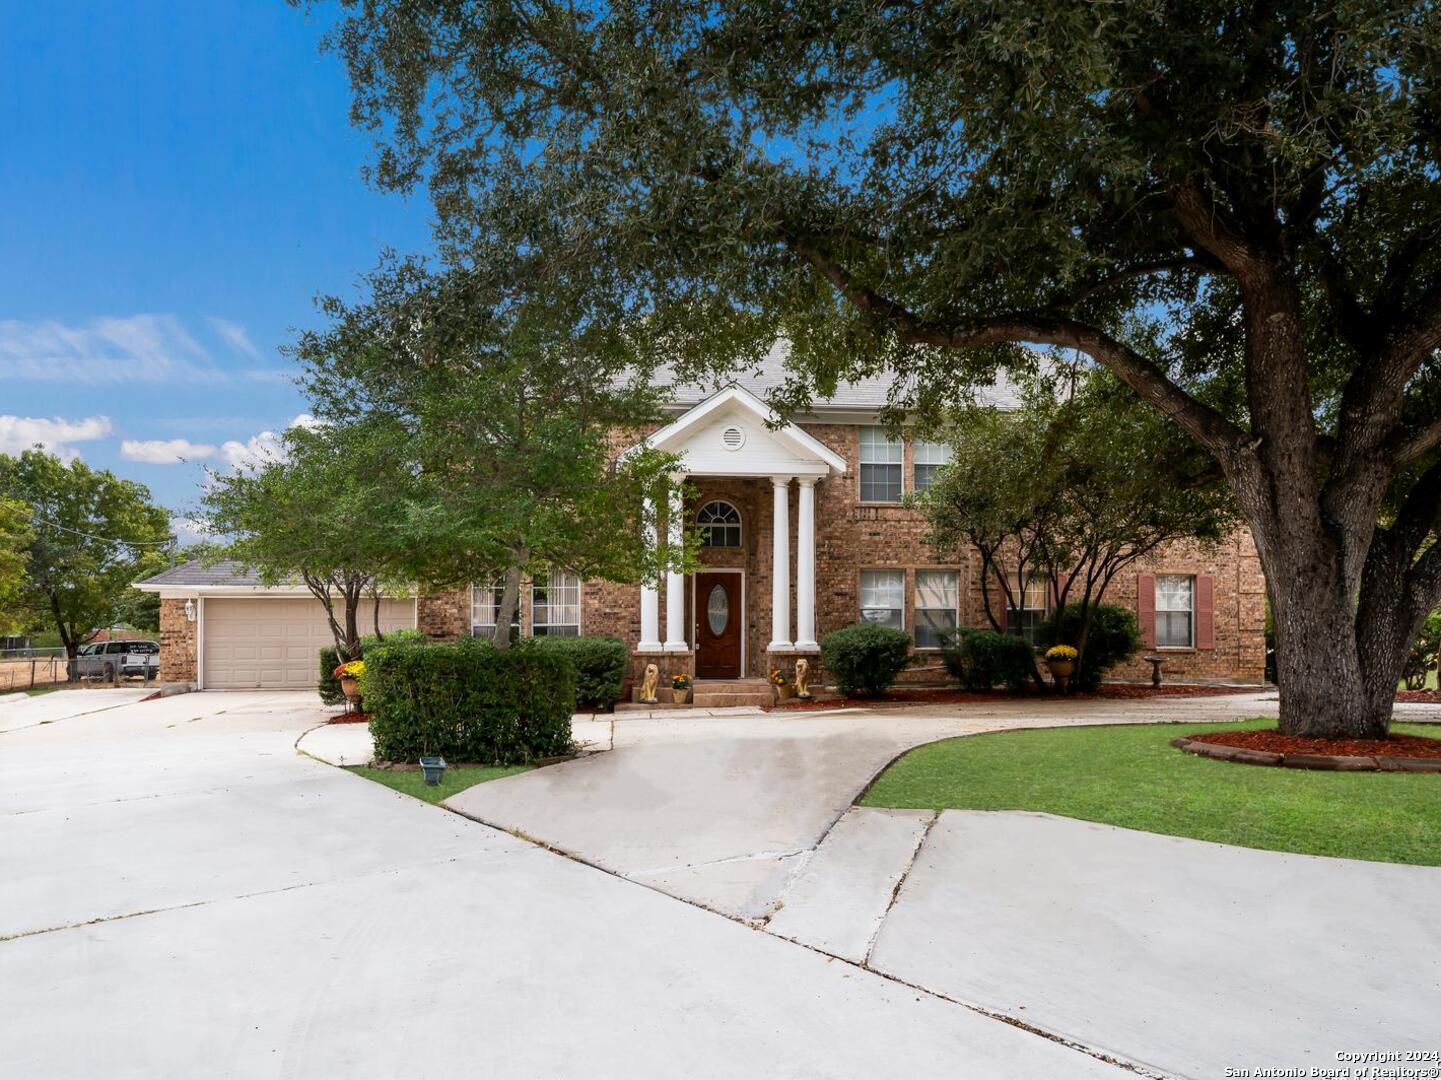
736, 399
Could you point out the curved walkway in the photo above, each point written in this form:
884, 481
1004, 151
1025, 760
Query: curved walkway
1181, 956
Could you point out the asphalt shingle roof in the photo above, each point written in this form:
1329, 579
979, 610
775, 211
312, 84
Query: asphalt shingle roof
196, 573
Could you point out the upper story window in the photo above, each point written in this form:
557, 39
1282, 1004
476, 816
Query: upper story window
882, 463
883, 597
719, 525
555, 605
1034, 598
931, 458
938, 607
1175, 611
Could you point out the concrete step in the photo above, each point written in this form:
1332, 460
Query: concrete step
730, 686
837, 901
724, 699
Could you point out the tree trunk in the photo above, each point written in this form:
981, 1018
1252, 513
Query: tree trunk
509, 601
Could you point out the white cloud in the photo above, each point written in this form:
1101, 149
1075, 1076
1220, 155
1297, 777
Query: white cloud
164, 451
136, 348
189, 530
234, 335
19, 433
264, 448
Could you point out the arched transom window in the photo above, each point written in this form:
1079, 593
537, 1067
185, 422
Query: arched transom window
719, 524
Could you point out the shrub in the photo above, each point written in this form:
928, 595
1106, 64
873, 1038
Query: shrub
329, 685
865, 659
1423, 655
600, 664
468, 701
982, 658
1114, 637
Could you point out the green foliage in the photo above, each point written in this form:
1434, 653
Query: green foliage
982, 658
600, 664
90, 536
865, 659
1425, 654
468, 701
15, 536
505, 422
1113, 637
327, 512
456, 779
329, 686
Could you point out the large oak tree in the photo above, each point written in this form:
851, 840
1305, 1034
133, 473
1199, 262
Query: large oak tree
1232, 206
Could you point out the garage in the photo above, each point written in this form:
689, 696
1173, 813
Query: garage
273, 642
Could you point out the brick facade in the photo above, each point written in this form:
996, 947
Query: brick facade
177, 645
852, 536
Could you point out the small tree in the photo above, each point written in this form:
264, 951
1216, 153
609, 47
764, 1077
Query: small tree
505, 424
328, 512
1074, 486
91, 535
14, 555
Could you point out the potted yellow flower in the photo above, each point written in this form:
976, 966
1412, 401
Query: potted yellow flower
1061, 659
349, 675
680, 688
781, 685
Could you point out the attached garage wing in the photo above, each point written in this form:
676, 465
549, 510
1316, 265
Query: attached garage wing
273, 643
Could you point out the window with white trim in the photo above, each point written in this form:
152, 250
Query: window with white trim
719, 525
485, 610
882, 463
931, 458
938, 607
883, 597
555, 605
1175, 611
1026, 620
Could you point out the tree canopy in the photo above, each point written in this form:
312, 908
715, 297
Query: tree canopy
1232, 207
91, 535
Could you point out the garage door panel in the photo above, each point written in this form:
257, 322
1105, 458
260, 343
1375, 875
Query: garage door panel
274, 643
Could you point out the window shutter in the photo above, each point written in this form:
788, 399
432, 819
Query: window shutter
1146, 608
1205, 611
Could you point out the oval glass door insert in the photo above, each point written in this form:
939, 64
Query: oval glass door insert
718, 609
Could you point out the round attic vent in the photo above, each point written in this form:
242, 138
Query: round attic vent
733, 438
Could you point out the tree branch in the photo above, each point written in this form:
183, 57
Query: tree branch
1217, 434
1423, 442
1130, 273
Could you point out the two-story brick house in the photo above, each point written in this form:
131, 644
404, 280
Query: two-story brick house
803, 531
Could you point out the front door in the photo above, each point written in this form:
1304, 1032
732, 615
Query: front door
718, 626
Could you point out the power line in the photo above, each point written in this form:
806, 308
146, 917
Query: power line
92, 536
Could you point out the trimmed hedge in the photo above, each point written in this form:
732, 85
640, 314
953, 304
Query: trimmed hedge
982, 658
468, 701
1114, 637
329, 686
865, 659
600, 664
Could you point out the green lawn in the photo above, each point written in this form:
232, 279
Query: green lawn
456, 778
1131, 776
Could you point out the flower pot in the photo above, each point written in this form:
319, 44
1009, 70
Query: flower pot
1062, 669
785, 693
681, 697
350, 687
433, 768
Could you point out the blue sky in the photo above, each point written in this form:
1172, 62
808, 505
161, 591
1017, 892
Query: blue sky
179, 180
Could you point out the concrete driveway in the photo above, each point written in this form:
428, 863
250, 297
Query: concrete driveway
187, 896
1181, 956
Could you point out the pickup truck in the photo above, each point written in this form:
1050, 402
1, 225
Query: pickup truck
118, 659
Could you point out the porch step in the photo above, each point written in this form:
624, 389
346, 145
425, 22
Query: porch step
724, 699
730, 686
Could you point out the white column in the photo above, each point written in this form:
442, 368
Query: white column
674, 580
780, 563
806, 565
649, 598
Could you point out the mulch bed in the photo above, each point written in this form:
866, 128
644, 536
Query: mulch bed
349, 718
1395, 753
1425, 697
950, 696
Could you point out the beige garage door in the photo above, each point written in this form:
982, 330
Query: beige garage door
274, 643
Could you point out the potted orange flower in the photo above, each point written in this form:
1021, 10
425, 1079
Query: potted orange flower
781, 685
349, 675
680, 688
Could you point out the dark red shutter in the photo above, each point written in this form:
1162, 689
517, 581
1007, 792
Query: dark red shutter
1205, 611
1146, 608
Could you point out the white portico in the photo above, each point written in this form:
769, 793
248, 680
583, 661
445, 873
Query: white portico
734, 435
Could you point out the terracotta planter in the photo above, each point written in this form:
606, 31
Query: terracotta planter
680, 697
784, 693
350, 687
1062, 669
